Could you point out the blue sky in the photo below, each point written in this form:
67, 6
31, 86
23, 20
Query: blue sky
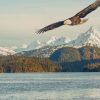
19, 19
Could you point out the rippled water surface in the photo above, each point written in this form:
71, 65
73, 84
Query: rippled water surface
50, 86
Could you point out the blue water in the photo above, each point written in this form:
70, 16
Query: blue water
50, 86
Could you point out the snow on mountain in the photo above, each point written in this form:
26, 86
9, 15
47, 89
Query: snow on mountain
35, 45
53, 41
24, 46
58, 41
6, 51
45, 49
90, 38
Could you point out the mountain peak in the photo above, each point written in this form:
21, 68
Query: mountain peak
90, 38
93, 30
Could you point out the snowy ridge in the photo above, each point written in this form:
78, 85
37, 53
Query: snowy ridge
90, 38
57, 41
53, 41
6, 51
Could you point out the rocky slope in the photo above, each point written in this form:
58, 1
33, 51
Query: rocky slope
79, 55
77, 59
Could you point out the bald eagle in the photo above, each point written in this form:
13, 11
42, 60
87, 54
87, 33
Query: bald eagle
75, 20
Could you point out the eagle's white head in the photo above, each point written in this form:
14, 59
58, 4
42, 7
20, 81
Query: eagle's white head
67, 22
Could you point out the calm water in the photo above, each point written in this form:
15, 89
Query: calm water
50, 86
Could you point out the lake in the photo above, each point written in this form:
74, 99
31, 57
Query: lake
50, 86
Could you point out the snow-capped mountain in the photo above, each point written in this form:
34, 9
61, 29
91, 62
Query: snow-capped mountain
53, 41
90, 38
42, 52
32, 46
6, 51
35, 45
45, 50
57, 41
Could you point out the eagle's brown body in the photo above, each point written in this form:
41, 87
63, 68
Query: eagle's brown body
75, 20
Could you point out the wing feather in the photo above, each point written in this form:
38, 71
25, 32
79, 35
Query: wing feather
88, 9
51, 27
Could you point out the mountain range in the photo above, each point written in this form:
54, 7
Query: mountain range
57, 55
53, 41
38, 48
89, 38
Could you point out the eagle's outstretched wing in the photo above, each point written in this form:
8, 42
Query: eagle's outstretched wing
80, 15
51, 27
88, 9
